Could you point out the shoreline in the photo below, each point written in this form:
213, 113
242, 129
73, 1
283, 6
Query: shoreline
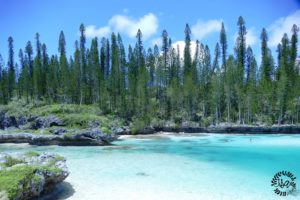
87, 140
234, 129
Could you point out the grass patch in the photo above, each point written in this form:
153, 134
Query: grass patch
10, 179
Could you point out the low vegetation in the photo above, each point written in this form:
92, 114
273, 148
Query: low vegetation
73, 116
10, 179
19, 176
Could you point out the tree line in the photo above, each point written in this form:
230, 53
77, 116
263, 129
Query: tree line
208, 87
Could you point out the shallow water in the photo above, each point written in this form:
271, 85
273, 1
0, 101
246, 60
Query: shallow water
169, 167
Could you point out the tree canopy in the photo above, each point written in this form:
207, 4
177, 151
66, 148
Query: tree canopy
157, 83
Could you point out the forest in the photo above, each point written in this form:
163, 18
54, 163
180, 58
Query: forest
135, 83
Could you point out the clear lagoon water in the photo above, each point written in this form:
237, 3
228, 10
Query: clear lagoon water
178, 167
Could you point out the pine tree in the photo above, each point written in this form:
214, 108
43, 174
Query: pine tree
165, 53
251, 86
45, 70
151, 67
132, 82
104, 65
294, 42
142, 91
206, 81
241, 57
77, 75
266, 73
83, 74
187, 53
114, 86
3, 83
29, 53
189, 78
223, 43
122, 69
37, 69
11, 69
230, 79
107, 59
52, 79
63, 66
216, 86
283, 82
294, 105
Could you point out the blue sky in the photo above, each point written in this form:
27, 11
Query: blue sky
22, 19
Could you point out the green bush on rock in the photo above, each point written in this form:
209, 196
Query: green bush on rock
30, 174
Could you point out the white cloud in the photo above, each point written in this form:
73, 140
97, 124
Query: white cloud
91, 31
181, 45
203, 28
281, 26
126, 25
251, 36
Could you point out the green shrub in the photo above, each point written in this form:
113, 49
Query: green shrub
106, 130
137, 125
206, 121
10, 180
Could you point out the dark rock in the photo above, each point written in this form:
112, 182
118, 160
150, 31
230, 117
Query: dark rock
97, 135
189, 127
38, 123
46, 140
8, 121
58, 131
43, 122
22, 121
16, 138
86, 137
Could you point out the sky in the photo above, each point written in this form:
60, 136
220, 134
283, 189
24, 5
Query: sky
22, 19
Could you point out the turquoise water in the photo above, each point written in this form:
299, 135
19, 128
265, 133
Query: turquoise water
185, 167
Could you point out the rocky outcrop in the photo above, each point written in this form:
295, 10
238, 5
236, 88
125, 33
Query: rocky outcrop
24, 176
7, 121
34, 122
217, 129
15, 138
44, 122
76, 138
